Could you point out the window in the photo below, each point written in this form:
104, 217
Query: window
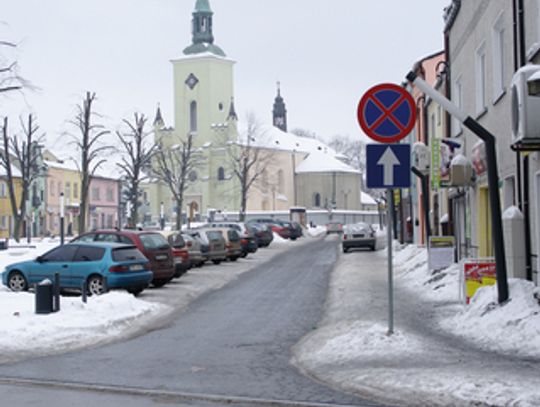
281, 181
457, 98
317, 200
221, 174
480, 79
509, 191
51, 189
498, 58
124, 239
86, 253
127, 253
86, 238
3, 189
153, 241
193, 117
439, 115
110, 222
106, 237
192, 176
95, 194
60, 254
110, 194
67, 191
59, 188
4, 222
75, 190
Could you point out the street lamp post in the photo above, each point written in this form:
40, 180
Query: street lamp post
162, 215
61, 218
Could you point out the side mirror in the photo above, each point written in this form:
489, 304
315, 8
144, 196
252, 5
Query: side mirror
39, 259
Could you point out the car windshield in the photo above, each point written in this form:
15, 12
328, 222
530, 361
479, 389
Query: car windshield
153, 241
127, 253
176, 240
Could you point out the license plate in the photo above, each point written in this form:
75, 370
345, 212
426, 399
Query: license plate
136, 267
177, 260
162, 257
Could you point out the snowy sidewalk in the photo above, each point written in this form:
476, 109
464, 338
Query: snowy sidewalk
426, 362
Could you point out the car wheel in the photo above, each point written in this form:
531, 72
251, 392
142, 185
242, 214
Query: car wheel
244, 255
293, 238
234, 258
372, 248
345, 250
17, 282
95, 285
160, 282
136, 290
216, 261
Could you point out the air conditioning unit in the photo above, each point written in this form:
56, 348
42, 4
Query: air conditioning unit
526, 104
461, 171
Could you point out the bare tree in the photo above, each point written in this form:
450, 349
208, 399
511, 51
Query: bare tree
137, 152
10, 80
88, 144
354, 150
174, 165
20, 153
249, 160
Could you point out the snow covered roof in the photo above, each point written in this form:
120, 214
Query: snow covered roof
14, 171
65, 165
367, 199
271, 137
321, 162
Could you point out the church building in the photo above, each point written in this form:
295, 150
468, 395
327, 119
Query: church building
204, 108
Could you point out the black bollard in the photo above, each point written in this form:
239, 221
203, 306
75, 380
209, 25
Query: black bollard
56, 293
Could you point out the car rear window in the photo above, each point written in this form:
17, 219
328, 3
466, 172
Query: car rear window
176, 240
127, 253
214, 235
153, 241
233, 236
86, 253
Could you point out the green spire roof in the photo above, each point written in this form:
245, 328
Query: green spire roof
203, 6
203, 37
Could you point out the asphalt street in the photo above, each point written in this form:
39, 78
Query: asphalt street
232, 342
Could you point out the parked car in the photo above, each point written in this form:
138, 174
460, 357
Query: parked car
180, 252
152, 244
217, 251
193, 245
232, 243
334, 227
123, 266
247, 239
262, 232
276, 225
358, 235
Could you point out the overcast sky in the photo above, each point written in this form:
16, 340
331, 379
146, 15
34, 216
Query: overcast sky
326, 53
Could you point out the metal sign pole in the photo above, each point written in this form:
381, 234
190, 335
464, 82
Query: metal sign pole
390, 204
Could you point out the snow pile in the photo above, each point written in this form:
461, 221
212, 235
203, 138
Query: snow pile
316, 231
279, 239
513, 327
76, 325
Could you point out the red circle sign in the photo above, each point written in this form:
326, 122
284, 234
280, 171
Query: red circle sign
387, 113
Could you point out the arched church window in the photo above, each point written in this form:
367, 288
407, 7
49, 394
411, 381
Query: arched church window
317, 200
281, 182
193, 176
221, 174
193, 117
203, 24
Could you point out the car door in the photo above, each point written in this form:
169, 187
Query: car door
57, 260
88, 260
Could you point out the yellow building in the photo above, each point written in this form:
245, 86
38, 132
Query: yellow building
6, 212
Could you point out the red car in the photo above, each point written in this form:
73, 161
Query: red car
153, 245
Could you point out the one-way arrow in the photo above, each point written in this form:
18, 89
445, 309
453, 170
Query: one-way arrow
388, 160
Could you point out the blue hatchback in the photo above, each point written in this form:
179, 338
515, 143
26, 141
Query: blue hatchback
124, 266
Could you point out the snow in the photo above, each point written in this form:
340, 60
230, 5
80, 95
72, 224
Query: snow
512, 212
481, 354
316, 231
321, 162
461, 160
367, 199
15, 172
279, 239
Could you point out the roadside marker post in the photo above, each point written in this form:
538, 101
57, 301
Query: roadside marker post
387, 113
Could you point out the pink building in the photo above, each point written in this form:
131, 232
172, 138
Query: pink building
103, 203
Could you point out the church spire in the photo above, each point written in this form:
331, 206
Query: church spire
280, 112
202, 31
158, 121
232, 111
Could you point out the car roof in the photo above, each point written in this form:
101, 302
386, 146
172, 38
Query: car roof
112, 245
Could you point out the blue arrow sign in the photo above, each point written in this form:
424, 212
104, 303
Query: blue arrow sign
388, 165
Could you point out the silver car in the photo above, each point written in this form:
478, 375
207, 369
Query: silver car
358, 235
